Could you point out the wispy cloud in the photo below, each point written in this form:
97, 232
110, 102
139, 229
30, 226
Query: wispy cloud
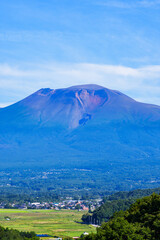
140, 83
130, 4
149, 3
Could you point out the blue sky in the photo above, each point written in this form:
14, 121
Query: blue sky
59, 43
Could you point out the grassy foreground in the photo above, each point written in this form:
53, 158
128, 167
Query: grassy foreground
55, 223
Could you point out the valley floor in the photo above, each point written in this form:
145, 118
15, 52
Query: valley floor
51, 222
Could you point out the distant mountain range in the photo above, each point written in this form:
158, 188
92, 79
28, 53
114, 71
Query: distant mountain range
83, 127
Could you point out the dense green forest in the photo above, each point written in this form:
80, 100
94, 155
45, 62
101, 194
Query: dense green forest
140, 221
11, 234
114, 203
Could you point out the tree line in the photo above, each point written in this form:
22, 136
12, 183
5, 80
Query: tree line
12, 234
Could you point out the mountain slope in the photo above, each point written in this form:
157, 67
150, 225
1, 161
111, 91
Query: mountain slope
74, 106
82, 126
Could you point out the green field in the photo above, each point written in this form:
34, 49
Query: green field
55, 223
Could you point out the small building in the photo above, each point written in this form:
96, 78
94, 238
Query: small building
84, 234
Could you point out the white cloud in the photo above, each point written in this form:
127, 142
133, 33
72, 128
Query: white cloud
6, 70
5, 104
140, 83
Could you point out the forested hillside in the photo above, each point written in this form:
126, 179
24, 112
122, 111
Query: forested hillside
114, 203
141, 221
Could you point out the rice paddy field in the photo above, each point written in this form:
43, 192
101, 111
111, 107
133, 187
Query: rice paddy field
51, 222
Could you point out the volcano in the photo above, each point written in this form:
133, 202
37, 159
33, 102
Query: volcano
85, 126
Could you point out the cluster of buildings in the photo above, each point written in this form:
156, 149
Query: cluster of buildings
81, 205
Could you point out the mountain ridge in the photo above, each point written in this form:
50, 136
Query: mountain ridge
77, 103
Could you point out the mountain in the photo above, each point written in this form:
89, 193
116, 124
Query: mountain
86, 127
74, 106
